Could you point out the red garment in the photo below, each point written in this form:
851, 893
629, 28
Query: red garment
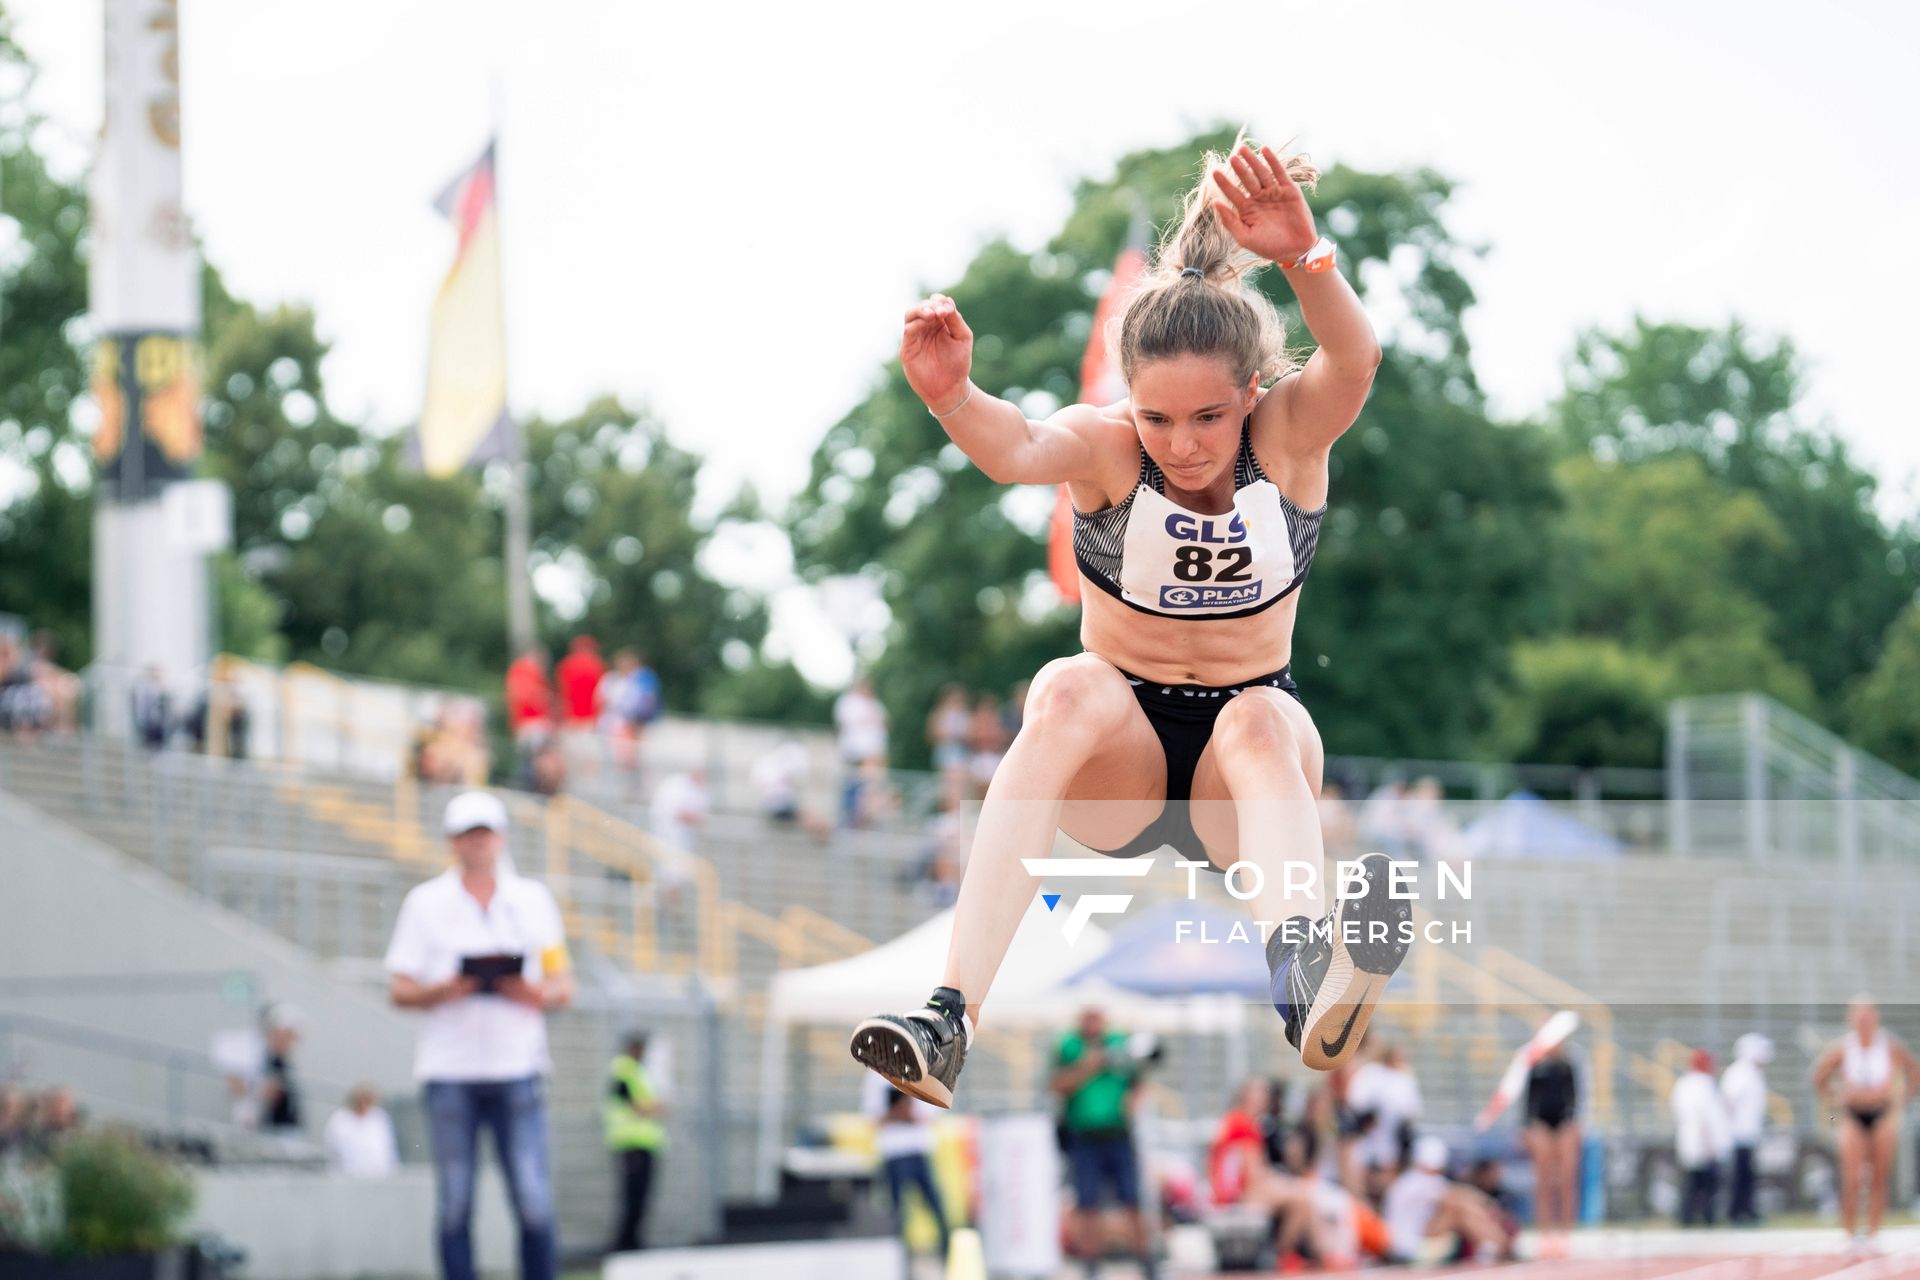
578, 676
529, 700
1230, 1158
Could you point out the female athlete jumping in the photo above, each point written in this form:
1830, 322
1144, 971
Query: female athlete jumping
1197, 504
1869, 1125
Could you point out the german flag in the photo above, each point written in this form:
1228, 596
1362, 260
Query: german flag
465, 419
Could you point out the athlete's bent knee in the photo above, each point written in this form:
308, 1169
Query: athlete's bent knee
1080, 694
1255, 724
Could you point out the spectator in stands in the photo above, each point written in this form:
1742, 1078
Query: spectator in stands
1097, 1081
1701, 1139
60, 688
576, 680
1743, 1087
777, 775
628, 699
936, 874
530, 708
904, 1138
879, 800
359, 1137
860, 723
454, 749
1336, 821
948, 728
152, 710
14, 1113
20, 697
481, 951
637, 1134
547, 771
1384, 1094
51, 1117
1430, 831
679, 809
986, 741
1433, 1219
1239, 1174
279, 1090
1383, 822
1014, 714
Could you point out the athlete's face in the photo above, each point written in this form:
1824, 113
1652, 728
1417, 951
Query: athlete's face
1188, 410
1866, 1021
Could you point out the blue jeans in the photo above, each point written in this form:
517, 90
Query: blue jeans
913, 1171
515, 1111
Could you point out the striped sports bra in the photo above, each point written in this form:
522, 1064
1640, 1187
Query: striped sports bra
1160, 558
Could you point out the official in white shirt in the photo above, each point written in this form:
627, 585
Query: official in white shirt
1701, 1138
481, 951
359, 1137
1744, 1088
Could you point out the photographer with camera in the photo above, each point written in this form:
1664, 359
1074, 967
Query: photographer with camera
1097, 1075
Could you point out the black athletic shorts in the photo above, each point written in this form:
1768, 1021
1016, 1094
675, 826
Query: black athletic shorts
1182, 717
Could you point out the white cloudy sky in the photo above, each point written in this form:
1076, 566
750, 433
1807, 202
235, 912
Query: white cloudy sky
722, 209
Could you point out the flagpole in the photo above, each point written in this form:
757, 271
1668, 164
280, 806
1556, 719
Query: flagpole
519, 533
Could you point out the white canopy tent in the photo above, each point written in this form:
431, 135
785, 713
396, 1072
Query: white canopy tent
1029, 991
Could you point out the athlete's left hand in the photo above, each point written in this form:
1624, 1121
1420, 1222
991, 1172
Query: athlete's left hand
1263, 208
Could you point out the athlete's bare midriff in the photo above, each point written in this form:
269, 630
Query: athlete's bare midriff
1208, 651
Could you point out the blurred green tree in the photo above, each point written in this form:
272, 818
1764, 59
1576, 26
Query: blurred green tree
1884, 705
1833, 583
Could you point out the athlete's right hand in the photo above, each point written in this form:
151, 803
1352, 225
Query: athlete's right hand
936, 351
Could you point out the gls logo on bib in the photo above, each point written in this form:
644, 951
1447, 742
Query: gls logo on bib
1209, 597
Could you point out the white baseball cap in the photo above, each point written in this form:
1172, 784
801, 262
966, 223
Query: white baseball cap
473, 809
1430, 1152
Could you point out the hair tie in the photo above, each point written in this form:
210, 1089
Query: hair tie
1195, 272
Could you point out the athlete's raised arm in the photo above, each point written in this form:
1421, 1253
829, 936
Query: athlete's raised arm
936, 351
1262, 208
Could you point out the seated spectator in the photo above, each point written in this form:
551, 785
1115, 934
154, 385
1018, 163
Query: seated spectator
776, 778
1431, 1218
1347, 1227
1238, 1175
359, 1137
1385, 1096
876, 800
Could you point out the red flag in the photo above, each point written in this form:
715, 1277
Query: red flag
1100, 383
